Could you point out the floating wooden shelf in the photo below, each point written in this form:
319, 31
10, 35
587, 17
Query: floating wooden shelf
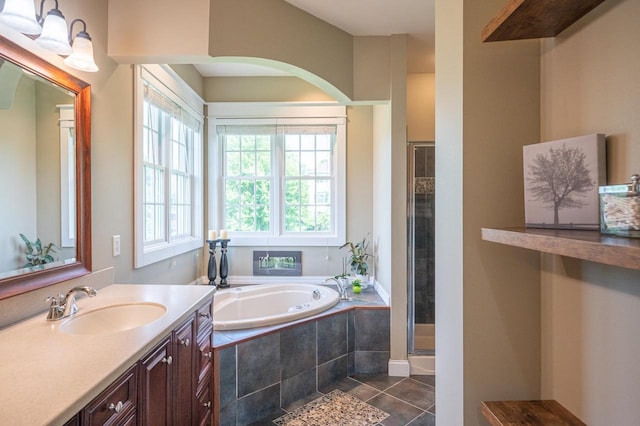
545, 412
522, 19
586, 245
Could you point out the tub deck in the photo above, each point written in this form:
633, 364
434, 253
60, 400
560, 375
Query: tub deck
368, 299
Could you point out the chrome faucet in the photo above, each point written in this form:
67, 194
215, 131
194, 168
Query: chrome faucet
341, 289
63, 306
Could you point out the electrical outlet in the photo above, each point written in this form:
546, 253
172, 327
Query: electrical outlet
115, 245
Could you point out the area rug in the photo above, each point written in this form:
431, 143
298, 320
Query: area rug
335, 408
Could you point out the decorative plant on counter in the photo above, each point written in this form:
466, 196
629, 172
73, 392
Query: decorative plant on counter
357, 286
359, 256
38, 254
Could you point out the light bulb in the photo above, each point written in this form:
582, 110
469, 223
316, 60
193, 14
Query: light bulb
82, 56
54, 34
21, 16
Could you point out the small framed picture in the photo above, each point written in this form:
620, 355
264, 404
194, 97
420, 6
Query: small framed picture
277, 263
561, 180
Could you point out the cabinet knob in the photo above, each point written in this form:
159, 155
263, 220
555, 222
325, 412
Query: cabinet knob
185, 342
168, 360
207, 404
205, 314
116, 407
207, 354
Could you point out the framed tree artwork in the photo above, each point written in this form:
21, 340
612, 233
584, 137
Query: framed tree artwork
561, 180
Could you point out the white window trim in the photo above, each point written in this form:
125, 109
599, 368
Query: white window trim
221, 113
183, 94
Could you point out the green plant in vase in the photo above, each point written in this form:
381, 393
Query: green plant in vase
357, 286
359, 256
37, 254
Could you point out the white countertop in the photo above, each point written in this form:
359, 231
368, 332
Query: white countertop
47, 375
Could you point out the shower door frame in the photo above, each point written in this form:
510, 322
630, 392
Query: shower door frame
411, 296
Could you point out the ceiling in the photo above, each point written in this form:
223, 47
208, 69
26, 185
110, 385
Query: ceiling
361, 18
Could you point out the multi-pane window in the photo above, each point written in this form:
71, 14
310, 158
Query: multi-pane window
168, 188
308, 179
247, 177
280, 181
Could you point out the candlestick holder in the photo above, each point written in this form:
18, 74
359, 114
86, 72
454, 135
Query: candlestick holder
212, 270
224, 264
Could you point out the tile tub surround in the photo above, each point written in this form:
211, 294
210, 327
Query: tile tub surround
260, 371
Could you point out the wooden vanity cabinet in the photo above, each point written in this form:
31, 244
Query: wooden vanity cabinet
175, 377
170, 385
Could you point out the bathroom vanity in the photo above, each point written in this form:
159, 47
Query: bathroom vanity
151, 365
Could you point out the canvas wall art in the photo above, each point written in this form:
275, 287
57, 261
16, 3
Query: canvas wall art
561, 180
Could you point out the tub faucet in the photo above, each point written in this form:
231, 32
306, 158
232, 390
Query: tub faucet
341, 289
63, 306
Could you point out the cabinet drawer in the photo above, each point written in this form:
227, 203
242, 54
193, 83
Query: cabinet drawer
205, 403
204, 357
116, 403
203, 319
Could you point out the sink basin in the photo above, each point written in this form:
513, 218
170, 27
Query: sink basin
114, 318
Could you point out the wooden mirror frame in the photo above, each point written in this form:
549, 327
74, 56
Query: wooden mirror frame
29, 281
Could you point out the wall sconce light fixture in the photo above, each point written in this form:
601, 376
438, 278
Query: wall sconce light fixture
82, 56
52, 30
54, 36
21, 16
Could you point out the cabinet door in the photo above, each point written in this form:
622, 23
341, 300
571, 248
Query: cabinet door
204, 358
203, 318
184, 372
155, 386
204, 400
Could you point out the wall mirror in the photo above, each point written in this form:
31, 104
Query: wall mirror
45, 174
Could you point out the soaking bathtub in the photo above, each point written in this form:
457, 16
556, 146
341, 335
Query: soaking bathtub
269, 304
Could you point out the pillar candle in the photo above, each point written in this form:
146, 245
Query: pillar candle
213, 235
223, 234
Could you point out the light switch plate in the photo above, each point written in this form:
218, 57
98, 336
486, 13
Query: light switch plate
115, 245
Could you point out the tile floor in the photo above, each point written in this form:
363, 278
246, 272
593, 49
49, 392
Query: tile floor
408, 400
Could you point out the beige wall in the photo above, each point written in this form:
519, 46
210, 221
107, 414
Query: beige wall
487, 295
382, 193
262, 89
159, 31
590, 312
371, 68
421, 104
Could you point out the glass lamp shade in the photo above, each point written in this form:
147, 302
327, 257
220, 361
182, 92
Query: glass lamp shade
54, 34
82, 57
21, 16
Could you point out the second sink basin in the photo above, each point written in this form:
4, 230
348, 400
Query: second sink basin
114, 318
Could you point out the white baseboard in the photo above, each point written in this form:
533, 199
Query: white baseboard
399, 368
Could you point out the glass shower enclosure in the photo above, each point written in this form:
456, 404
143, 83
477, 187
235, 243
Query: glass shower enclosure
421, 247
